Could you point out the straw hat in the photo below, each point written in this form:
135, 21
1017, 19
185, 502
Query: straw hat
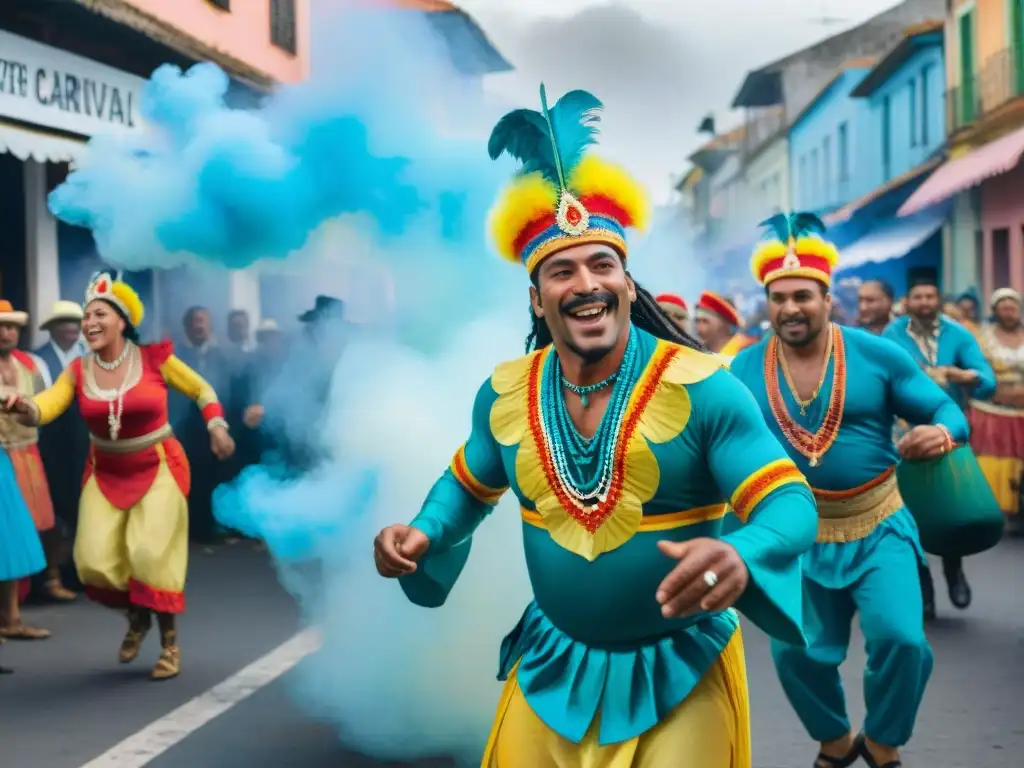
267, 326
9, 315
62, 311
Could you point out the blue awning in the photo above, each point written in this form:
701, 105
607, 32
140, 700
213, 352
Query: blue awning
893, 239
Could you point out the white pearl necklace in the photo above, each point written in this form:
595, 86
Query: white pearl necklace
113, 365
115, 397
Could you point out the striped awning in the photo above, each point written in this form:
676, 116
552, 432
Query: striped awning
963, 173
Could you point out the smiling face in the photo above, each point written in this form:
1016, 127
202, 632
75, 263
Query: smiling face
102, 325
584, 295
799, 309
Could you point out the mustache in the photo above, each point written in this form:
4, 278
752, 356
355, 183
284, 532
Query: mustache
610, 300
797, 319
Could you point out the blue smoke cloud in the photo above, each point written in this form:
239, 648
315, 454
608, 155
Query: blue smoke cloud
232, 187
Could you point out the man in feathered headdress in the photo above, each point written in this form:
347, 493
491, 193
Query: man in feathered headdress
622, 441
830, 395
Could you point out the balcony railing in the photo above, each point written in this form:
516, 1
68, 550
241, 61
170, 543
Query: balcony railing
1000, 80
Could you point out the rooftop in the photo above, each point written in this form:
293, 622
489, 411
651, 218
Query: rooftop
915, 38
865, 62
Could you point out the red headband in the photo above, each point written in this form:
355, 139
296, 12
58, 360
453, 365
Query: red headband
671, 298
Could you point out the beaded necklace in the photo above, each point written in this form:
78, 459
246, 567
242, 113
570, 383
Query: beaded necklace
812, 446
805, 404
584, 392
584, 466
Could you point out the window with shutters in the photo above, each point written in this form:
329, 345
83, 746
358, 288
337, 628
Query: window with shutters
282, 24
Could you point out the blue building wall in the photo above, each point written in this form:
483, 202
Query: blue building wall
825, 144
914, 98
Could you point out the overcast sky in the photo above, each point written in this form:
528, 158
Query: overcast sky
658, 65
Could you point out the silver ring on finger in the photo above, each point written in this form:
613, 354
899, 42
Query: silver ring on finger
711, 579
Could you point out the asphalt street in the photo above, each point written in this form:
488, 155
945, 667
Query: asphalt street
69, 701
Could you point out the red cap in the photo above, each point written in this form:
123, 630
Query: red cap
671, 298
718, 306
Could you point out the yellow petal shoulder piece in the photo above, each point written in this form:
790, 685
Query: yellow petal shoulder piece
657, 412
510, 381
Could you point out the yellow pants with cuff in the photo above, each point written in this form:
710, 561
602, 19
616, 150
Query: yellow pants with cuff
136, 556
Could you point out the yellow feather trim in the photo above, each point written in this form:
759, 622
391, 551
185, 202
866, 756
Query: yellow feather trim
594, 176
804, 246
525, 200
531, 196
130, 300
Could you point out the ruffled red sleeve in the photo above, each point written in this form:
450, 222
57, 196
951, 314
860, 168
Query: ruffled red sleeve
157, 353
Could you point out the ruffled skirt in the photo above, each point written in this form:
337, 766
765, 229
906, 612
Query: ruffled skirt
21, 553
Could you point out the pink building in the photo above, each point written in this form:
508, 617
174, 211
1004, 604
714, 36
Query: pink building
263, 41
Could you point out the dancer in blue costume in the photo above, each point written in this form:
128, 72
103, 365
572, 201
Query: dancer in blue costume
951, 356
839, 432
623, 441
21, 552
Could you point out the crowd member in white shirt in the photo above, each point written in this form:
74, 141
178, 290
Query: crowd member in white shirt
64, 324
63, 446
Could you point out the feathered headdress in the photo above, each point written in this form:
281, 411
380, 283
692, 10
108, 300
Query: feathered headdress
794, 247
113, 289
562, 196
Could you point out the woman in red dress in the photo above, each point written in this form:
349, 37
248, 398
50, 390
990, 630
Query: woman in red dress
131, 548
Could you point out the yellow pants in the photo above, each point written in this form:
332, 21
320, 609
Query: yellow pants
1003, 474
709, 729
137, 556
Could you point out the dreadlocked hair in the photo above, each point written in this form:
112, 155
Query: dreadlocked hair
644, 313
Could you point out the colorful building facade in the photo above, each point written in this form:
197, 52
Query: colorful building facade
982, 177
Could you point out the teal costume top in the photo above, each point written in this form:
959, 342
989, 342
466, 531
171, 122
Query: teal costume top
883, 382
594, 639
957, 347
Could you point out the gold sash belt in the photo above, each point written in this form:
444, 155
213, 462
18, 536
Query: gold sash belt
851, 515
133, 444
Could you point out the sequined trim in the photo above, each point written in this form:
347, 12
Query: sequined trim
562, 241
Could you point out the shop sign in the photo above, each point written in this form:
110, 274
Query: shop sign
52, 88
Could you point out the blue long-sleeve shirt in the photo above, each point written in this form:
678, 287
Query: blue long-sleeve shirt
957, 348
